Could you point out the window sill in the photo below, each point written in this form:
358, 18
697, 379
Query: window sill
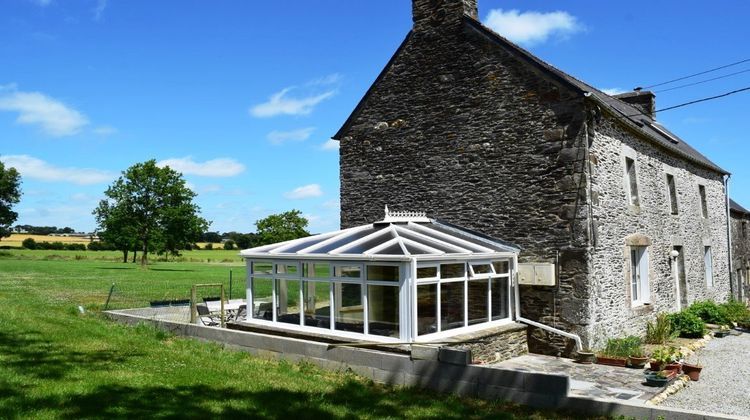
634, 209
641, 307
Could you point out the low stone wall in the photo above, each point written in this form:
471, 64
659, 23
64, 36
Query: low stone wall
496, 344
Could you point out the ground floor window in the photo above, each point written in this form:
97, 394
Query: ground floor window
708, 266
639, 284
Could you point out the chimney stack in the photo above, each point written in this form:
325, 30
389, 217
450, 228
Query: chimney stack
431, 13
644, 100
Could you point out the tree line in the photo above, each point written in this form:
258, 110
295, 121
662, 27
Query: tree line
42, 230
150, 209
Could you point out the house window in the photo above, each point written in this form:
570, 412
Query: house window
704, 204
639, 287
672, 193
708, 266
631, 181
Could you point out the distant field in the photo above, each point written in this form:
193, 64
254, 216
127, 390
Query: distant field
16, 239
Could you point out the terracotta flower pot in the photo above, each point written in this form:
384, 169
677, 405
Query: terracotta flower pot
585, 357
675, 366
611, 361
655, 365
693, 371
637, 362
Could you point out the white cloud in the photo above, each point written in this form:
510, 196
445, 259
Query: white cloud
305, 191
280, 137
281, 104
330, 144
54, 117
331, 79
104, 130
31, 167
221, 167
531, 27
613, 91
99, 9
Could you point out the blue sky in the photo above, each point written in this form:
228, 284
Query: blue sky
243, 96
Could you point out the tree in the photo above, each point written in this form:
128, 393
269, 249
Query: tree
10, 194
281, 227
153, 207
116, 227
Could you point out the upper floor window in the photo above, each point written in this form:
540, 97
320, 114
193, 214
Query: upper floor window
707, 260
744, 228
639, 287
672, 187
630, 178
704, 204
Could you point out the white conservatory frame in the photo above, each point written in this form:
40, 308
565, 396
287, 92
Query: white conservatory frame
408, 242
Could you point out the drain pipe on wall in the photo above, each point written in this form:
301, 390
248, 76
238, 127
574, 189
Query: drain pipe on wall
519, 318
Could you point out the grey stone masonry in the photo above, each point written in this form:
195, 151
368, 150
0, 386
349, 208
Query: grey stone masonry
495, 344
740, 228
475, 131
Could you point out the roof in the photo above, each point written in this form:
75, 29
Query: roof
404, 239
734, 206
627, 114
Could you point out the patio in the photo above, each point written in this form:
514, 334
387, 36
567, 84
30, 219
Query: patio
589, 381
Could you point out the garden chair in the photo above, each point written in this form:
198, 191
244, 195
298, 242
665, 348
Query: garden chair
206, 317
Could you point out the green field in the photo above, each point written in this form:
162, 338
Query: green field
58, 363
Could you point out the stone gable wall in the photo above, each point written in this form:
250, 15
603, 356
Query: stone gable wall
741, 254
461, 129
616, 220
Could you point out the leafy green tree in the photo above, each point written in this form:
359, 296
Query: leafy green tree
156, 206
10, 194
116, 227
281, 227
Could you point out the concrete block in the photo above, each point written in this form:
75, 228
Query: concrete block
454, 356
365, 371
546, 384
419, 352
395, 362
388, 377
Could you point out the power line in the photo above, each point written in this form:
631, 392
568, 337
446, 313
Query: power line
693, 102
697, 74
703, 81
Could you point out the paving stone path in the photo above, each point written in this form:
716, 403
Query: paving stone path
592, 381
724, 385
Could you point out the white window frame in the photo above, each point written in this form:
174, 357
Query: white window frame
708, 266
638, 282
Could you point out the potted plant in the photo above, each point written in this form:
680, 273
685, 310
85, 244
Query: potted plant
659, 378
634, 348
585, 356
617, 351
692, 370
665, 357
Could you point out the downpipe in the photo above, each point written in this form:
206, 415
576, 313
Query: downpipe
519, 318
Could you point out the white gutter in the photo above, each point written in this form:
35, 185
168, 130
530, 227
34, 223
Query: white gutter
519, 318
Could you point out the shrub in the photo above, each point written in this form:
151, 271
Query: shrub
75, 247
660, 330
735, 310
229, 245
209, 246
687, 324
29, 243
709, 312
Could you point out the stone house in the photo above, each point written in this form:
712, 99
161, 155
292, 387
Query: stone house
476, 131
739, 219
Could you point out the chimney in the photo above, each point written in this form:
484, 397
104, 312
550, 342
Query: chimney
644, 100
430, 13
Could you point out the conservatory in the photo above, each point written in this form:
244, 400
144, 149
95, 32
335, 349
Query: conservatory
406, 278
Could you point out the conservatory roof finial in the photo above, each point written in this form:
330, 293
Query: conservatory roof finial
405, 216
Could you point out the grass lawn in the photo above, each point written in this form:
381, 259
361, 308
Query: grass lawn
58, 363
